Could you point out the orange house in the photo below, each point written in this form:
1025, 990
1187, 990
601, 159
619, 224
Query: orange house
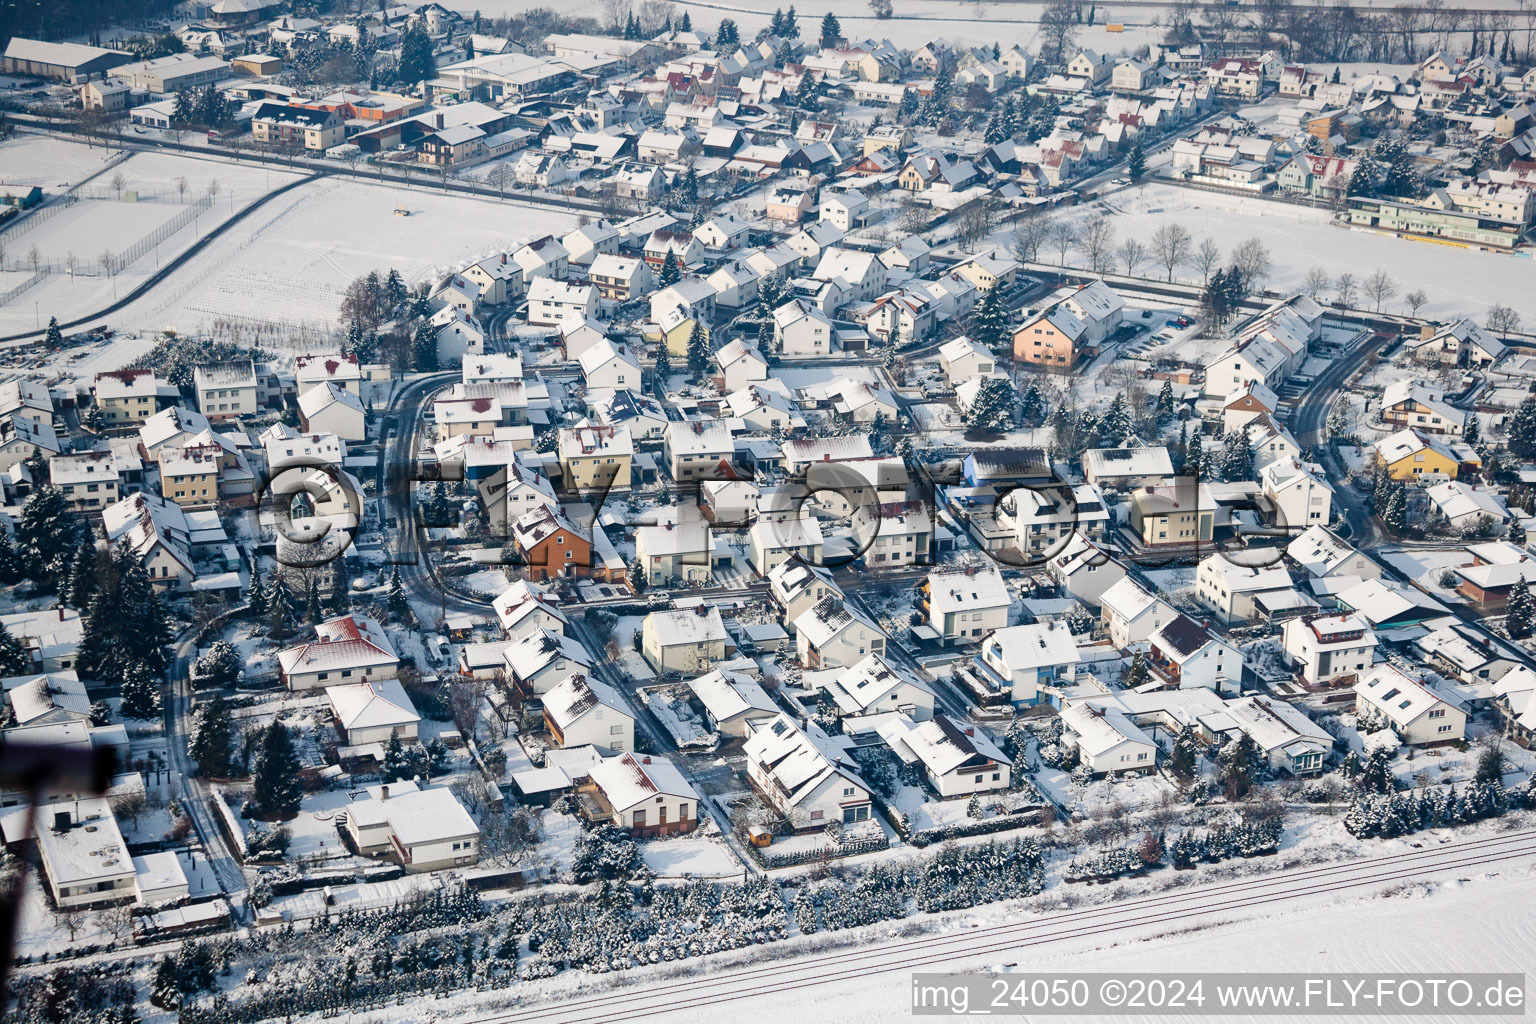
550, 545
1054, 339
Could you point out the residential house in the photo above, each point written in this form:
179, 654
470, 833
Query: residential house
1329, 648
833, 635
804, 776
1419, 715
595, 458
1028, 663
957, 759
1232, 590
422, 829
549, 544
583, 710
962, 605
372, 711
539, 661
1106, 740
552, 302
349, 649
1186, 654
872, 687
732, 702
645, 794
684, 640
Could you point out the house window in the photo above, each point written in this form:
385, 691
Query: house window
639, 819
816, 815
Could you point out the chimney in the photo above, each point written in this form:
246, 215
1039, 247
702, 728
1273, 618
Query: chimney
1426, 331
61, 613
970, 731
384, 792
439, 119
61, 821
646, 759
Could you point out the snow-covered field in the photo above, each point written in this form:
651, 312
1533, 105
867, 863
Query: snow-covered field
288, 264
1457, 281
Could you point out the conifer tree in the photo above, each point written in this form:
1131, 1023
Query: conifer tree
698, 351
45, 536
398, 604
276, 786
1520, 617
831, 31
53, 338
140, 692
257, 598
312, 607
15, 660
212, 732
82, 575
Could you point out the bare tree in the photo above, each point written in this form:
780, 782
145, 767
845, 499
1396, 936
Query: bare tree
1029, 236
70, 261
1058, 24
1316, 283
1132, 254
1503, 319
1344, 290
1207, 259
618, 13
106, 262
70, 919
500, 173
1062, 236
1416, 301
1253, 261
1097, 242
116, 921
181, 189
118, 182
214, 188
1171, 245
1380, 287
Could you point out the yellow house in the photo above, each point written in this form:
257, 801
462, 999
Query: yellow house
1173, 515
596, 458
987, 271
190, 476
675, 329
127, 397
887, 136
1410, 456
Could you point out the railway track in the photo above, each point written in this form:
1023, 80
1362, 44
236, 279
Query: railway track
1161, 909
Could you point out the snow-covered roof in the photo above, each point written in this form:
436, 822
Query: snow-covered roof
941, 745
1397, 695
959, 590
1100, 729
828, 619
576, 696
793, 763
632, 779
375, 704
530, 655
678, 626
726, 694
351, 641
1035, 645
857, 689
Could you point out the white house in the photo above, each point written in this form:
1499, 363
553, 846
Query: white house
552, 301
1130, 614
582, 710
525, 608
82, 852
1231, 590
732, 702
1107, 740
797, 587
424, 829
773, 543
803, 776
740, 364
1029, 662
872, 687
965, 604
1288, 739
646, 794
352, 648
542, 659
1419, 715
1300, 492
801, 330
684, 640
962, 359
372, 712
958, 760
1084, 570
331, 409
610, 365
1186, 655
1322, 555
1329, 647
833, 635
